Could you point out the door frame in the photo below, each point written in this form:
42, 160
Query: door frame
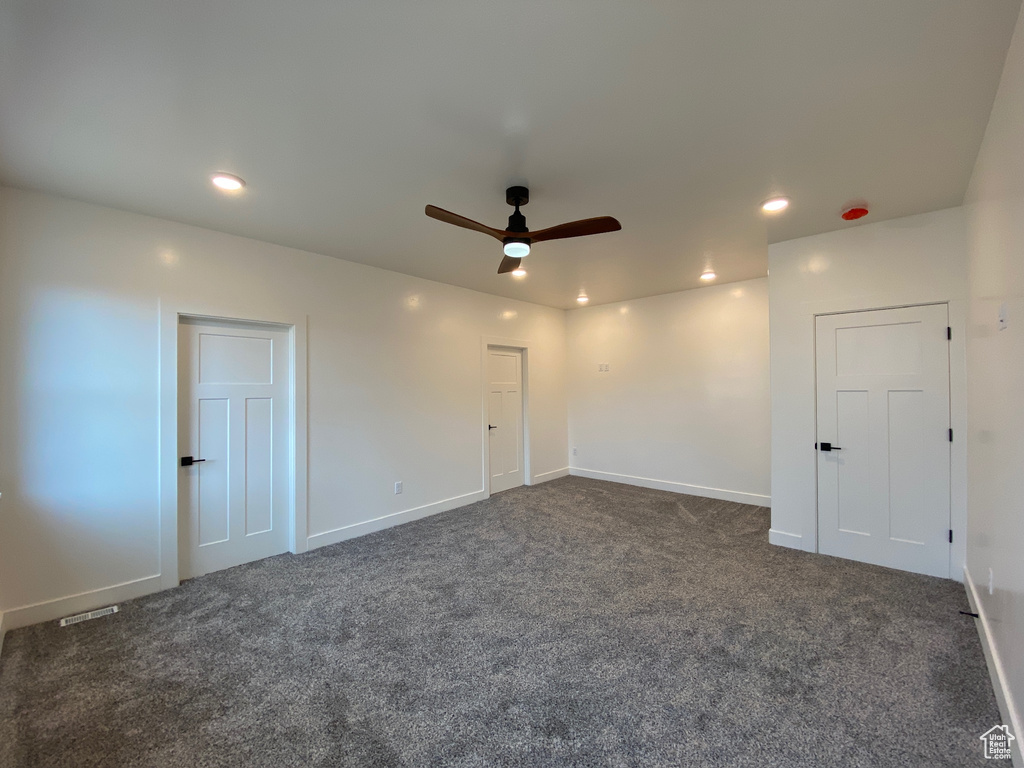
957, 525
486, 343
167, 452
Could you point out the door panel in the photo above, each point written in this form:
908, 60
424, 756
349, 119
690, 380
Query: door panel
259, 464
878, 350
505, 412
227, 359
883, 403
212, 504
234, 391
511, 448
853, 484
495, 413
908, 471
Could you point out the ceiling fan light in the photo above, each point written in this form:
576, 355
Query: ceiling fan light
516, 249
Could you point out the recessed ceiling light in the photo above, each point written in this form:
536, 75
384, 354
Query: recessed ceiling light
227, 181
708, 274
775, 204
583, 298
519, 272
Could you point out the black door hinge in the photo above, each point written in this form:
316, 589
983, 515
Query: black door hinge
950, 535
951, 434
949, 333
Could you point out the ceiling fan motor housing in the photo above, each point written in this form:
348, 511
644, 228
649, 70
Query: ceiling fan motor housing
517, 196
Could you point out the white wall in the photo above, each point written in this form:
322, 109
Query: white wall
914, 260
684, 405
995, 385
394, 388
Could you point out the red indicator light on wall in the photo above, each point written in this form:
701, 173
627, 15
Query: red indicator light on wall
857, 212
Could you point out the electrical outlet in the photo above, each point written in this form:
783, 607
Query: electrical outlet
398, 487
991, 583
574, 450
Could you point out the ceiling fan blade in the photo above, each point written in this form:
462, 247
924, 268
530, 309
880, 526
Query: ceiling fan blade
461, 221
508, 264
577, 229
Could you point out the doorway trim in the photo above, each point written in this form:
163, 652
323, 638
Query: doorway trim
486, 343
170, 315
956, 382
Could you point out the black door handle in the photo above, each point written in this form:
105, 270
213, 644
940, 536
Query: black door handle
829, 447
491, 426
188, 461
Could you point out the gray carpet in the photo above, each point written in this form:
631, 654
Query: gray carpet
577, 623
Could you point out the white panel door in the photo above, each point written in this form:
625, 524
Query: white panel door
505, 418
883, 411
233, 421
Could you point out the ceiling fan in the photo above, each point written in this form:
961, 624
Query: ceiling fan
517, 239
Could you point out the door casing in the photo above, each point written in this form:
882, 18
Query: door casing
168, 458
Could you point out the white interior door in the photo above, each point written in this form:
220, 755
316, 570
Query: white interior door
883, 409
505, 418
233, 421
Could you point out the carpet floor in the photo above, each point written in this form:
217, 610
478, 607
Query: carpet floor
576, 623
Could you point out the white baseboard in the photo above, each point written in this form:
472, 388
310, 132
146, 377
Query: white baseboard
996, 670
346, 532
50, 610
554, 474
741, 497
783, 539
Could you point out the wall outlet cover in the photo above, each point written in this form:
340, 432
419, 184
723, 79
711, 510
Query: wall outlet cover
398, 487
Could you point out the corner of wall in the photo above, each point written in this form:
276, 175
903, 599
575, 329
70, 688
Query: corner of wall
51, 610
997, 672
545, 477
3, 631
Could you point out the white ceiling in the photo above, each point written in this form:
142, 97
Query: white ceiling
346, 118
